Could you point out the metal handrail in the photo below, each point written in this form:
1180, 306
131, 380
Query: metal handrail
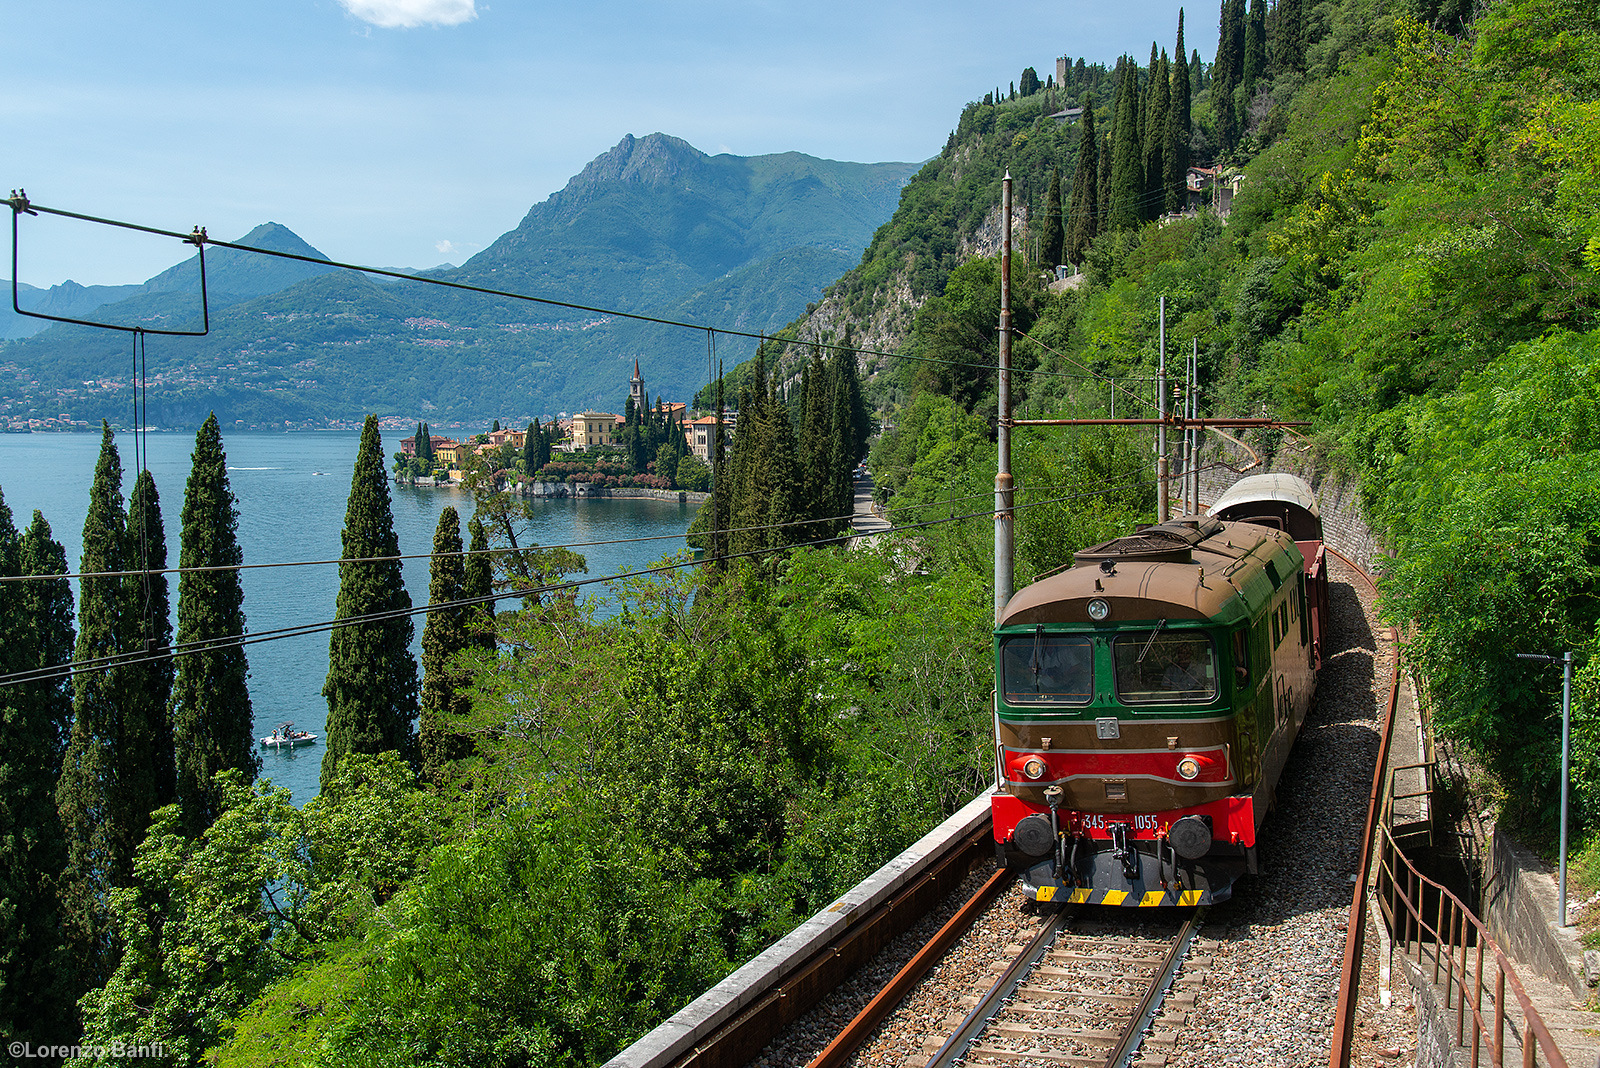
1455, 930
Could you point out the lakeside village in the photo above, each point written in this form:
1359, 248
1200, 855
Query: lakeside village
661, 448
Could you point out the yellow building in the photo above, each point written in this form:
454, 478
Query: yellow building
594, 428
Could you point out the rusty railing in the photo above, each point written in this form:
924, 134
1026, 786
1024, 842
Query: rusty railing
1447, 940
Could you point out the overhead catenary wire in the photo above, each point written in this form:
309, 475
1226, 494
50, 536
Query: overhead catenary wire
198, 237
300, 630
137, 657
491, 552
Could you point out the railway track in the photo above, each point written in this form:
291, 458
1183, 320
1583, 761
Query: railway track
1276, 948
1086, 992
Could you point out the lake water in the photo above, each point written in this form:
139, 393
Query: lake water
291, 490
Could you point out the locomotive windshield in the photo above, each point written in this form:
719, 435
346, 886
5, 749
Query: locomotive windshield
1166, 667
1041, 669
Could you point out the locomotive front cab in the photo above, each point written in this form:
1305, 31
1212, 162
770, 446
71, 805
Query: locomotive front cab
1127, 746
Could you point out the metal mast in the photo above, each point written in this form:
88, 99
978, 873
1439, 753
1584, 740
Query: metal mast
1004, 529
1163, 511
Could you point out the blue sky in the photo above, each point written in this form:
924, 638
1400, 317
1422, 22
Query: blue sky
408, 133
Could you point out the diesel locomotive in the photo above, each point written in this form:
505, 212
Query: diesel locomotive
1147, 697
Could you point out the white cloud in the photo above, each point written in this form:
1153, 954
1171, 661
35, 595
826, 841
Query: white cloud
454, 251
406, 14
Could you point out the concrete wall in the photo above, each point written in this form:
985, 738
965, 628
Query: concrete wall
1521, 905
771, 968
1338, 499
1436, 1025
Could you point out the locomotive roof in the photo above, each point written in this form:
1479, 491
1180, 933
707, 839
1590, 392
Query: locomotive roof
1196, 568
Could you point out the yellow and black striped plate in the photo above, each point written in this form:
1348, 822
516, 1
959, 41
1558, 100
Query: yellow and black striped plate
1151, 899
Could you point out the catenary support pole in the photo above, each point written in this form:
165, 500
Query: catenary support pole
1163, 511
1004, 529
1566, 770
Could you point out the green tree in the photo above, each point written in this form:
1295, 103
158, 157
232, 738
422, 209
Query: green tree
1286, 44
1158, 105
152, 779
1255, 47
372, 677
1176, 153
210, 922
444, 695
96, 795
478, 583
213, 721
1083, 213
1029, 83
36, 979
1053, 236
1127, 170
530, 449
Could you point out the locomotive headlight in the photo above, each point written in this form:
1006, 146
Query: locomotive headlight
1033, 768
1189, 767
1098, 610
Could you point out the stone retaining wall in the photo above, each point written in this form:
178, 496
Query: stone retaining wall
1338, 499
584, 489
1520, 903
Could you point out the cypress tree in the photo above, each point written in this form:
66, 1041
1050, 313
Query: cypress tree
37, 988
1158, 104
1083, 214
1127, 173
840, 490
776, 481
719, 488
1054, 234
100, 832
860, 416
1103, 184
212, 719
372, 676
530, 449
1255, 47
747, 508
816, 424
1286, 38
1178, 122
148, 755
444, 635
478, 581
1228, 71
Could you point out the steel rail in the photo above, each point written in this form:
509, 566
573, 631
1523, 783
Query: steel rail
1355, 933
856, 1031
1355, 930
1128, 1042
742, 1039
1128, 1039
1447, 931
975, 1021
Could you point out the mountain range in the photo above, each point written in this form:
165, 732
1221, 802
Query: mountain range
652, 227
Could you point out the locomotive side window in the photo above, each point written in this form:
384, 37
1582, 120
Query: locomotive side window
1047, 669
1165, 667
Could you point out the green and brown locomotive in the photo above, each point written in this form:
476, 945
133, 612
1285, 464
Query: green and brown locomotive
1147, 698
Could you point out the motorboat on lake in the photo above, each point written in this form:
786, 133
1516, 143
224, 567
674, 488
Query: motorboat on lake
286, 737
